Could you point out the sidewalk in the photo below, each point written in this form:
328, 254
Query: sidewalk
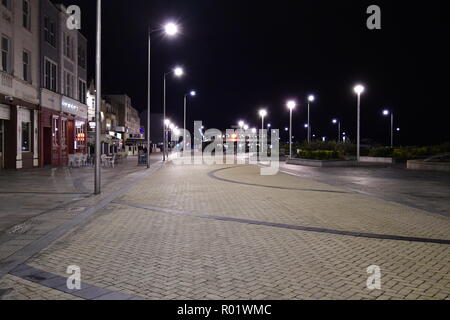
42, 199
226, 232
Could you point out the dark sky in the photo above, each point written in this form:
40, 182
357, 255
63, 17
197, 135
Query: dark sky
243, 54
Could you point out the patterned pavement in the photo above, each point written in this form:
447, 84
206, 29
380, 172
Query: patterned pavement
226, 232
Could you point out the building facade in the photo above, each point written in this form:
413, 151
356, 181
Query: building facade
63, 109
19, 84
129, 123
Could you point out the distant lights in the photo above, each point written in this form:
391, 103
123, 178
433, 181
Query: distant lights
386, 112
311, 98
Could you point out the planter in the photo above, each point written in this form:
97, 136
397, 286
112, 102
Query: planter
321, 163
378, 160
428, 165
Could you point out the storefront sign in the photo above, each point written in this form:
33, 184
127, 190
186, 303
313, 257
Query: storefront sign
73, 107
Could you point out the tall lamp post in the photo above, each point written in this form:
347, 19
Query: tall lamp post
262, 114
178, 72
291, 106
192, 94
387, 113
98, 99
338, 122
359, 89
311, 99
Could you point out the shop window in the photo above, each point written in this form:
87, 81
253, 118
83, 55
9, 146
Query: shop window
26, 136
64, 132
56, 131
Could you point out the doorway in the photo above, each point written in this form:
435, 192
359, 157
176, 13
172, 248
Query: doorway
47, 144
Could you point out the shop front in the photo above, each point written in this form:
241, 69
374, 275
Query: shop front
19, 135
64, 132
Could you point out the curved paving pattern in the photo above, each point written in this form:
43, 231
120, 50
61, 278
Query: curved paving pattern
212, 174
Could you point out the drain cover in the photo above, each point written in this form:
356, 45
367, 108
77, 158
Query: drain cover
35, 278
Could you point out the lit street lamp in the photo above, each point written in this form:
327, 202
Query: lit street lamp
192, 94
98, 99
338, 122
170, 29
262, 114
311, 99
359, 89
291, 106
387, 113
178, 72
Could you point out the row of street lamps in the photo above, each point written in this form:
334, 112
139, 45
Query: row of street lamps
292, 104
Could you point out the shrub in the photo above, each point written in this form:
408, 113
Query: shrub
319, 154
381, 152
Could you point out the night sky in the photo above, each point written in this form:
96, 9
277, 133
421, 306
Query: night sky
241, 55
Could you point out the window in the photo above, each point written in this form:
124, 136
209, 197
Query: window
26, 66
26, 136
68, 46
68, 84
26, 14
55, 129
6, 55
82, 91
82, 57
50, 72
49, 31
6, 4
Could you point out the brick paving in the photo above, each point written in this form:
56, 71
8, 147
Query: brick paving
136, 246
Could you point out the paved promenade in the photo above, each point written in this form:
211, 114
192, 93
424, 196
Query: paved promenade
226, 232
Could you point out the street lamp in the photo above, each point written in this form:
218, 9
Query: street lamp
386, 113
359, 89
170, 29
311, 99
338, 122
291, 106
246, 127
98, 99
262, 114
192, 93
178, 72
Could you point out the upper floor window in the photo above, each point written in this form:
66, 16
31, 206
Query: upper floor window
26, 66
68, 84
68, 46
50, 74
82, 91
6, 4
6, 54
82, 57
49, 31
26, 14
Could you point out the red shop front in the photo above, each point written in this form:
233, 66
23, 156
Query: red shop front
63, 133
